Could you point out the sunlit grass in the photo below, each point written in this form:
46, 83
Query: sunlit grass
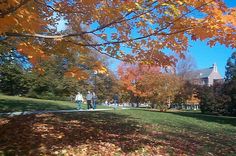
185, 120
214, 134
16, 103
116, 132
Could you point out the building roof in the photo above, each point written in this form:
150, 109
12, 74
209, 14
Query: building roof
201, 73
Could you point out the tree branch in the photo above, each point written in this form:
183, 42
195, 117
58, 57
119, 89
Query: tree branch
119, 20
130, 40
157, 32
95, 48
54, 9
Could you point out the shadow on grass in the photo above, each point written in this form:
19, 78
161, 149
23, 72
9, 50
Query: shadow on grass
45, 133
101, 133
11, 105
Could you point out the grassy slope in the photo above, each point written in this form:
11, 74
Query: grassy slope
213, 134
137, 132
175, 121
15, 103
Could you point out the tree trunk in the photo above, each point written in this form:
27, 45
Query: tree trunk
137, 101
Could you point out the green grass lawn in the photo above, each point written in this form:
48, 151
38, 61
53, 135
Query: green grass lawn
120, 132
16, 103
191, 131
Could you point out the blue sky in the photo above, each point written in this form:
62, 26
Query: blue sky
204, 55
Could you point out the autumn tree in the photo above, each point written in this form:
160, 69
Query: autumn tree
144, 28
149, 84
53, 81
161, 89
131, 76
186, 91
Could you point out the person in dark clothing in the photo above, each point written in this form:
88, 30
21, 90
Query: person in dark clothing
89, 100
116, 100
94, 100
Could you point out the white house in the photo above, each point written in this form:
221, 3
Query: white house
205, 76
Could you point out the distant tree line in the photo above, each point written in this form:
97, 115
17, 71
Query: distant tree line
143, 84
136, 83
19, 77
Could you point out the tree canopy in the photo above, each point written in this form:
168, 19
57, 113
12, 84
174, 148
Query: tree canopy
129, 30
149, 84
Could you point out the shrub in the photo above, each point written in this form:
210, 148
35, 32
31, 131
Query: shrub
213, 100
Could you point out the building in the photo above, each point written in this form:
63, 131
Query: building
207, 76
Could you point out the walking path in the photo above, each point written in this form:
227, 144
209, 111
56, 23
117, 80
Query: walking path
55, 111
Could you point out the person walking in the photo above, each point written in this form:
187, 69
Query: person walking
115, 99
89, 100
79, 99
106, 103
94, 100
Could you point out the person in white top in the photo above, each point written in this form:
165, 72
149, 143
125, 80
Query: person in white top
79, 99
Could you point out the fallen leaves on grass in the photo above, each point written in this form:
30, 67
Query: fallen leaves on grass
98, 134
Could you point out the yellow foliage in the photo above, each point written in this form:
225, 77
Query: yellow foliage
34, 53
76, 73
143, 28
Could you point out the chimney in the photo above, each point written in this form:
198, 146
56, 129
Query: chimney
214, 67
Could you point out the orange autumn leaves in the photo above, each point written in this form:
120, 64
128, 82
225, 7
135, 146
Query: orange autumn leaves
80, 74
132, 76
77, 73
32, 17
20, 16
34, 53
132, 31
149, 82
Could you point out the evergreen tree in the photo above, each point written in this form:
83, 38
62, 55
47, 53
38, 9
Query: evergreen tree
231, 67
230, 85
213, 100
12, 79
13, 67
